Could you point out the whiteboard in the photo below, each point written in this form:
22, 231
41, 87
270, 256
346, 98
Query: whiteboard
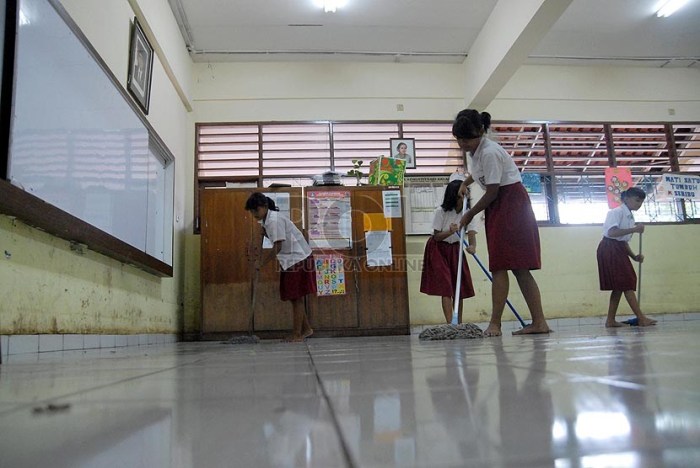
79, 143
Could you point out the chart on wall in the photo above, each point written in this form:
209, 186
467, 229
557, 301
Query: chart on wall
330, 220
330, 275
423, 195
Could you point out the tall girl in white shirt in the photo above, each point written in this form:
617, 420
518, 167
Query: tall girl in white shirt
441, 256
512, 236
615, 270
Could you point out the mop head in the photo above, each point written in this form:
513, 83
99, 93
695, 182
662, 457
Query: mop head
451, 332
243, 339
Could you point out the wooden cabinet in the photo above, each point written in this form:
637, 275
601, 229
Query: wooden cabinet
376, 298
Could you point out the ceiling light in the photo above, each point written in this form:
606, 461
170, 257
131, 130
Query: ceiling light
330, 6
666, 8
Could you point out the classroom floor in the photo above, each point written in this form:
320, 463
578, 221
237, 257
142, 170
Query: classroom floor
583, 396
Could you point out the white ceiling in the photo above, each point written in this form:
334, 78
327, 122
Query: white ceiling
624, 32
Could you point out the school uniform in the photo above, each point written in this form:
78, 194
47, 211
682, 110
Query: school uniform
615, 270
298, 275
512, 236
441, 259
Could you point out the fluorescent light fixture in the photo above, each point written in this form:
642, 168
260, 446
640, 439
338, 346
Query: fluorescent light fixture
666, 8
330, 6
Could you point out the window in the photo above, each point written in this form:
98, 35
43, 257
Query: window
570, 158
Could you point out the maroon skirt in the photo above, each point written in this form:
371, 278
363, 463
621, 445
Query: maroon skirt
512, 237
439, 276
615, 270
298, 280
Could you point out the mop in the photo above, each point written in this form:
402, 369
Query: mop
453, 331
488, 275
635, 321
249, 338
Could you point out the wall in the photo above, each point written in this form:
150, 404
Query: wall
568, 279
600, 94
48, 288
245, 92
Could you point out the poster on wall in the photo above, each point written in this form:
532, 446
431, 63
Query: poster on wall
617, 180
392, 203
532, 182
330, 275
330, 221
378, 248
681, 186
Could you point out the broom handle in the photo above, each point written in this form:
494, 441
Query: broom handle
458, 284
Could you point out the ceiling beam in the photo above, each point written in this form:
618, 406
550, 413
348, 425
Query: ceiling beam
510, 34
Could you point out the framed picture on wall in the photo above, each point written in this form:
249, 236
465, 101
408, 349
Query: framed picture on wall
140, 67
404, 148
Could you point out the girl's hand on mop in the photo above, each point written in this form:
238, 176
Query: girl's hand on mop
638, 258
466, 219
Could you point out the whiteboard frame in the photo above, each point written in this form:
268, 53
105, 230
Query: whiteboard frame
39, 213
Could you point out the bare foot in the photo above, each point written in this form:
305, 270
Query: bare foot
293, 339
614, 324
646, 321
533, 329
492, 330
307, 333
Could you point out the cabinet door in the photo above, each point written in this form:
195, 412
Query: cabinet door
229, 236
383, 296
226, 230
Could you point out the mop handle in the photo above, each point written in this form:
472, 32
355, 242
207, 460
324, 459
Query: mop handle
488, 275
458, 284
639, 281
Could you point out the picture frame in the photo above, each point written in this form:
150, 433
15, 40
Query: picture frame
396, 150
140, 67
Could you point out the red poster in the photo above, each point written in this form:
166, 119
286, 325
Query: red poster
617, 180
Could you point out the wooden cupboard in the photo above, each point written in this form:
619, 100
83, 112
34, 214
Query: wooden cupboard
376, 297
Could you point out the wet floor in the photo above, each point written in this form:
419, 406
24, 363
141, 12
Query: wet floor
583, 396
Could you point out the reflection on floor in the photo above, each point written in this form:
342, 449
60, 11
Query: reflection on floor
583, 396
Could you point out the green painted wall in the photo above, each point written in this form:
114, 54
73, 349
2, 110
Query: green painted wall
48, 288
568, 279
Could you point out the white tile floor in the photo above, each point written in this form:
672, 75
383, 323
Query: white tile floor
584, 396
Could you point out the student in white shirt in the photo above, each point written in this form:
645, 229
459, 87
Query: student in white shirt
512, 236
615, 270
298, 272
441, 256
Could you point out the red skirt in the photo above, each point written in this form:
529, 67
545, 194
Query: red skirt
298, 280
512, 237
615, 270
439, 276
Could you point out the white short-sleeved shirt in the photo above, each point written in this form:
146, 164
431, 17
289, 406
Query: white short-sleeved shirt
442, 220
294, 246
620, 217
491, 164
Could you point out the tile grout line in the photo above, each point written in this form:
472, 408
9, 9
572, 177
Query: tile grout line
334, 417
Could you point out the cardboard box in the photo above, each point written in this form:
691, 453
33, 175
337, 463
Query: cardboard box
386, 171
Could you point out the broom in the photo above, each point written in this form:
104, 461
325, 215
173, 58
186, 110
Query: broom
250, 338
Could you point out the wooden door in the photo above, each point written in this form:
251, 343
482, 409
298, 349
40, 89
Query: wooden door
383, 299
228, 236
335, 314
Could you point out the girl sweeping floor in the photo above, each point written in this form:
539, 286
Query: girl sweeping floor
298, 273
441, 257
615, 269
